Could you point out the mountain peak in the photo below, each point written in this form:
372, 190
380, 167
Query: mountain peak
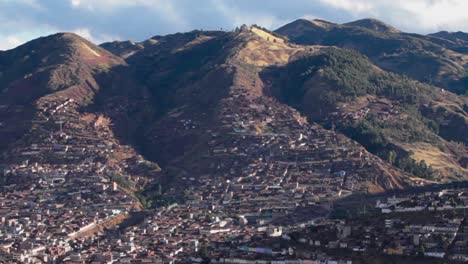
458, 36
64, 44
373, 24
62, 38
319, 23
264, 48
266, 34
322, 23
313, 26
53, 63
66, 35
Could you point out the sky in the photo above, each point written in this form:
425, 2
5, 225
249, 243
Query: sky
108, 20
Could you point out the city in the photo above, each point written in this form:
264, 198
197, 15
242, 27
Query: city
241, 133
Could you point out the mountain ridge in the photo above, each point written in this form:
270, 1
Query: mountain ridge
187, 83
373, 24
210, 144
414, 55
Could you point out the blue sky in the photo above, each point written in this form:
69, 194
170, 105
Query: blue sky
106, 20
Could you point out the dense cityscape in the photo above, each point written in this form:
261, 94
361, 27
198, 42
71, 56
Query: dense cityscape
315, 143
74, 208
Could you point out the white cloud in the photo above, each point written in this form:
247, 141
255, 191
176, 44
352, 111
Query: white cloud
75, 3
101, 20
164, 8
356, 6
22, 31
95, 38
13, 40
419, 15
10, 42
29, 3
237, 17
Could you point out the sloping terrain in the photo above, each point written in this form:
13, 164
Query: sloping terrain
243, 105
59, 65
373, 24
216, 120
126, 49
227, 135
410, 54
53, 64
459, 37
53, 111
383, 111
123, 49
456, 41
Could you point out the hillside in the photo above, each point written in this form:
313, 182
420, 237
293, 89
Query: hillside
126, 49
208, 144
52, 110
385, 112
58, 65
215, 120
374, 25
240, 105
457, 37
456, 41
123, 49
419, 57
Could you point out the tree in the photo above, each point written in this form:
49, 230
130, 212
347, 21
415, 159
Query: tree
433, 126
391, 156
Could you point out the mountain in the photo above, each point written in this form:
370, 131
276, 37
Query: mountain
58, 65
385, 112
456, 41
51, 64
194, 103
172, 74
218, 138
126, 49
374, 25
53, 114
218, 120
348, 79
243, 105
123, 49
457, 37
427, 59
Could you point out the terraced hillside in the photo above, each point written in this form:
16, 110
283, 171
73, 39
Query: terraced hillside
217, 119
54, 120
223, 136
392, 116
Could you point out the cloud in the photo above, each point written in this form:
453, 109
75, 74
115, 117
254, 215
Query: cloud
357, 6
75, 3
29, 3
165, 9
238, 17
16, 32
102, 20
413, 15
10, 41
99, 38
